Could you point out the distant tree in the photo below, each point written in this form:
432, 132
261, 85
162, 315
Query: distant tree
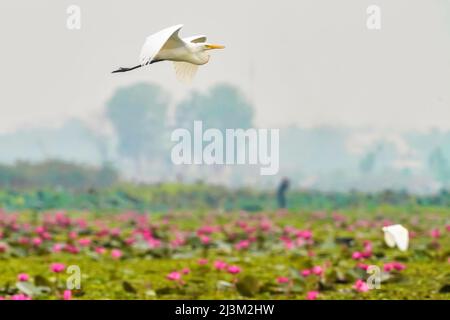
223, 107
190, 110
138, 114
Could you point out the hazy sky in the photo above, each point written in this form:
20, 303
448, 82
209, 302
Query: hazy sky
300, 62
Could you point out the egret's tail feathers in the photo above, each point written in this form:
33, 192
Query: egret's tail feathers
126, 69
185, 71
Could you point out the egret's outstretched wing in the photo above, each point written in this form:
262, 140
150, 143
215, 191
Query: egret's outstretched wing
154, 43
185, 71
195, 39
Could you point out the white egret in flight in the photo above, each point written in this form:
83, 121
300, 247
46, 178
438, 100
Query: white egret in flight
166, 45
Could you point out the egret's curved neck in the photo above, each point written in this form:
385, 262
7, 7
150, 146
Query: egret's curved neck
199, 54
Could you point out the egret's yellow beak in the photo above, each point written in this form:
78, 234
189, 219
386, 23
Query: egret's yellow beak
214, 46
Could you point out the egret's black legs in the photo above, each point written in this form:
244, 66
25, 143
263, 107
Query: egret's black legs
126, 69
132, 68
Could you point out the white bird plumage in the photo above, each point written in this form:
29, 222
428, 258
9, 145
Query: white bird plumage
396, 236
166, 45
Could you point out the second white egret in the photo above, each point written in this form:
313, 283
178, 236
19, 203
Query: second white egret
186, 53
396, 236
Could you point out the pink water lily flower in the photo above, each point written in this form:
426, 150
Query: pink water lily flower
234, 269
289, 244
71, 248
312, 295
243, 244
204, 239
390, 266
435, 233
317, 270
67, 295
39, 229
305, 272
116, 253
57, 247
357, 255
282, 280
398, 266
57, 267
367, 253
265, 225
37, 241
185, 271
100, 250
305, 234
361, 286
84, 242
174, 276
220, 265
362, 266
73, 235
115, 232
20, 296
23, 277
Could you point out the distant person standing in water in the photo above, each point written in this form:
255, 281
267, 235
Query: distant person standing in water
281, 193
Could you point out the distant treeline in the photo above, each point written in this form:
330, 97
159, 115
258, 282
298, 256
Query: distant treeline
201, 197
55, 174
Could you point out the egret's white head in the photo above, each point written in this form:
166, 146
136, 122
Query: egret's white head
200, 52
